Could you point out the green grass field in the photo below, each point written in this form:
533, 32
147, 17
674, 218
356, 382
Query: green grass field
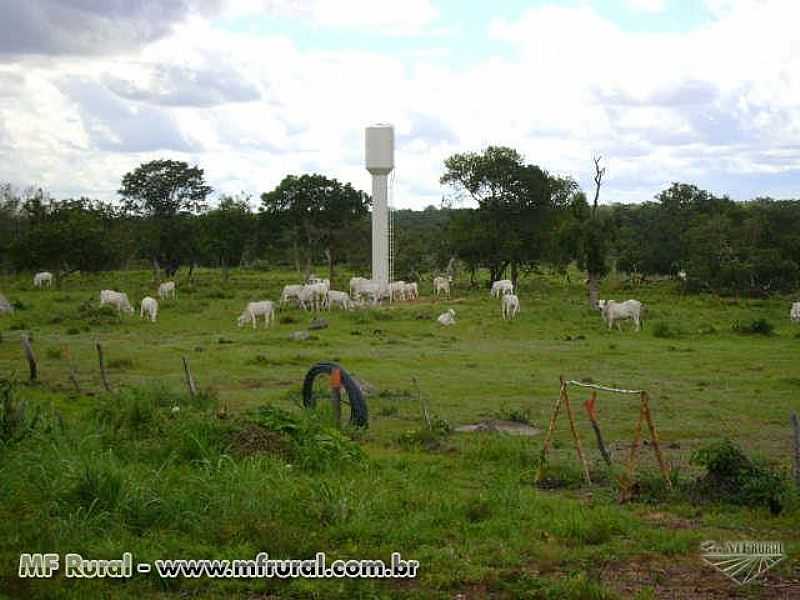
101, 474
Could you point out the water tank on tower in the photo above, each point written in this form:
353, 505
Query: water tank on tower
380, 162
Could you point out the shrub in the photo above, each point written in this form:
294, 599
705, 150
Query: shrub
756, 327
663, 329
314, 445
429, 438
732, 476
54, 353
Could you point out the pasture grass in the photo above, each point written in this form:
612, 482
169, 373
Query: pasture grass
241, 468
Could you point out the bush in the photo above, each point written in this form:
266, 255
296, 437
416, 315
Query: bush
756, 327
732, 476
429, 438
314, 445
662, 329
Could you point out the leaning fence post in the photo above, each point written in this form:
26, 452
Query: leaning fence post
796, 427
189, 379
102, 364
26, 346
73, 373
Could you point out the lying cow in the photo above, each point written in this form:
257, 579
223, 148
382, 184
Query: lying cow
447, 318
613, 311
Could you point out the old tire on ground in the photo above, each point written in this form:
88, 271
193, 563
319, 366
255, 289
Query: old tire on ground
358, 405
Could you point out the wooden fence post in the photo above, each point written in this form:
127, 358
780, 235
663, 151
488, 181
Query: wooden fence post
102, 364
189, 379
26, 346
796, 427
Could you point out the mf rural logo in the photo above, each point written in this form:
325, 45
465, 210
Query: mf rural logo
743, 561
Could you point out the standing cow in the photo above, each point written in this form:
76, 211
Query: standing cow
614, 312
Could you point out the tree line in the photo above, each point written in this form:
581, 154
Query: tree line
522, 219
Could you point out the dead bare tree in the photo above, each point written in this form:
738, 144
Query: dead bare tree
595, 253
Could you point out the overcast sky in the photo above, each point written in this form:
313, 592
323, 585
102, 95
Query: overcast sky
698, 91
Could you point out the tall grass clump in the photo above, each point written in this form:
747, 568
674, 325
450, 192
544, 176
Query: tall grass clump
755, 327
315, 445
733, 477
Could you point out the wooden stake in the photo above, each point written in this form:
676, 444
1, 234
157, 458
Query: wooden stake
654, 439
548, 437
578, 447
796, 426
189, 379
626, 480
102, 364
589, 406
73, 374
426, 415
26, 346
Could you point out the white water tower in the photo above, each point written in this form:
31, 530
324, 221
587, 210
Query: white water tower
380, 162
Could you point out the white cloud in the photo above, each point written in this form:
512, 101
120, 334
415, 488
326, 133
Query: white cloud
250, 109
650, 6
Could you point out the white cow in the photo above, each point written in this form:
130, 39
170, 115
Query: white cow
510, 306
313, 294
119, 300
149, 307
411, 291
794, 313
397, 289
682, 275
355, 282
447, 318
5, 306
442, 284
613, 311
503, 286
43, 279
291, 292
254, 310
340, 299
374, 291
166, 290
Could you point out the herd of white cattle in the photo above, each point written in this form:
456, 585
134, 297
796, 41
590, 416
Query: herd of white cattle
316, 294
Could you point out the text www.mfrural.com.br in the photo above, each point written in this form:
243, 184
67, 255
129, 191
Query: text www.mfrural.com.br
37, 565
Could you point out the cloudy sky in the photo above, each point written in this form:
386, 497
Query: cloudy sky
699, 91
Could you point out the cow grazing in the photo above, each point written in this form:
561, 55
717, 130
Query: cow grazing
291, 292
397, 290
166, 290
510, 306
447, 318
149, 308
614, 312
313, 295
253, 310
794, 313
504, 286
340, 299
43, 279
119, 300
355, 283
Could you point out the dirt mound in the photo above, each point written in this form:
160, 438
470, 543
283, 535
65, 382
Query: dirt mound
254, 439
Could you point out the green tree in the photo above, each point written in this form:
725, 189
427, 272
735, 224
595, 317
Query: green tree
227, 230
518, 206
164, 192
316, 215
